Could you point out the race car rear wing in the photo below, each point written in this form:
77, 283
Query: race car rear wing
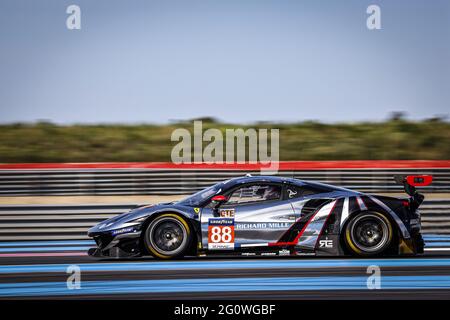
410, 183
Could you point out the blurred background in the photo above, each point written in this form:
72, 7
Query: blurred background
385, 140
115, 89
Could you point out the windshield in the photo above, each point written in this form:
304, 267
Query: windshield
197, 198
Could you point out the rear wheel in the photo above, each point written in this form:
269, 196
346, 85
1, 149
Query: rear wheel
168, 236
368, 234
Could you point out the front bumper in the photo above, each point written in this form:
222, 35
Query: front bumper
118, 246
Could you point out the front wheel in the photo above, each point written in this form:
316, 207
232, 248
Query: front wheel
168, 236
368, 234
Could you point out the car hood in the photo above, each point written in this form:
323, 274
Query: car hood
136, 216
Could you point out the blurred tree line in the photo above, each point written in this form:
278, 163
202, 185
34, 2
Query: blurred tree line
396, 138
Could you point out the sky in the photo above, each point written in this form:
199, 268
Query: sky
239, 61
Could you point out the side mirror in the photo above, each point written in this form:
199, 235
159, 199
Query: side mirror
218, 200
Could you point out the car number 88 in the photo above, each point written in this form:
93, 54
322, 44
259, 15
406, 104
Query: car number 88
221, 234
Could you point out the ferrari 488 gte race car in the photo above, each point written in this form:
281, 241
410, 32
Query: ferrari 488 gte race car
268, 216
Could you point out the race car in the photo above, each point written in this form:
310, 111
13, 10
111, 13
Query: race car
268, 216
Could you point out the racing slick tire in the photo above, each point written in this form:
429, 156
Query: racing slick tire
168, 236
368, 234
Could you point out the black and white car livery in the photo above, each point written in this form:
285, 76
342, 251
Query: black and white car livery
268, 216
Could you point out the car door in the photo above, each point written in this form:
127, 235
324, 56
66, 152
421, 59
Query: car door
254, 215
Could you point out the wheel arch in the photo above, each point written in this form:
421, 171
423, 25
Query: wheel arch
396, 236
372, 203
192, 223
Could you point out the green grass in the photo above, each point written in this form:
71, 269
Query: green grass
390, 140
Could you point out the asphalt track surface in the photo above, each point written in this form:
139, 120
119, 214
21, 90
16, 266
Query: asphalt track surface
38, 270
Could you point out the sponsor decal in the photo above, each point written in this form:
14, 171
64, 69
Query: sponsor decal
196, 210
258, 226
268, 253
284, 252
285, 217
291, 193
248, 253
327, 243
124, 230
221, 234
298, 253
226, 213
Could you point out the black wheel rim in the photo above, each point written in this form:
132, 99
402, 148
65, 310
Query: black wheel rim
369, 233
167, 236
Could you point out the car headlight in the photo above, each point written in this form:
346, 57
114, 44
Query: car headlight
105, 225
139, 220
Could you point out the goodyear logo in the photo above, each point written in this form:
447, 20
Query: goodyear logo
221, 222
123, 230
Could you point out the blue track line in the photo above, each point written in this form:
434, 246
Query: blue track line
437, 244
43, 249
222, 285
436, 237
46, 243
228, 265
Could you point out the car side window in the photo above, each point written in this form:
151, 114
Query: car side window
255, 193
293, 192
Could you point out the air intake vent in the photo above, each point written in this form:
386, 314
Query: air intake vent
312, 205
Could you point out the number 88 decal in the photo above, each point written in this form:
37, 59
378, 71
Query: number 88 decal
221, 234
